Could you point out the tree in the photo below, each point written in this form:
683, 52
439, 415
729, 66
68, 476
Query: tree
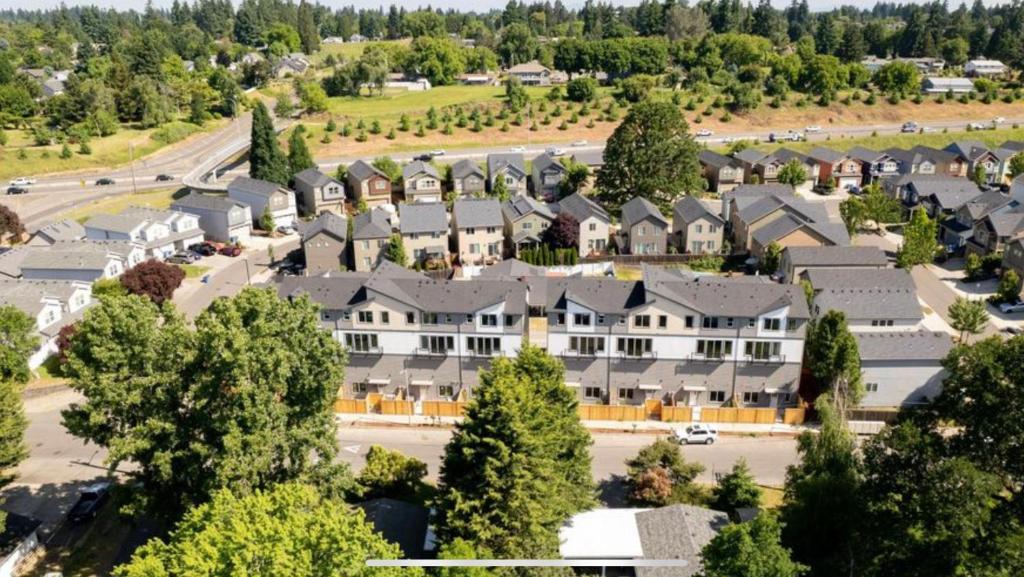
389, 167
576, 176
750, 549
518, 466
395, 251
312, 97
299, 158
288, 529
968, 316
898, 77
500, 190
872, 206
439, 59
309, 36
517, 44
771, 259
564, 232
582, 89
266, 161
197, 109
1008, 290
661, 461
153, 279
18, 335
391, 474
266, 221
516, 96
834, 358
651, 155
919, 244
10, 225
1017, 165
793, 173
736, 490
257, 413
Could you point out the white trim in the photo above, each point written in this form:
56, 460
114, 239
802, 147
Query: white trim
379, 382
649, 387
426, 383
573, 385
694, 388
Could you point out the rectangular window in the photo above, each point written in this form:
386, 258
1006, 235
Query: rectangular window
448, 319
588, 346
699, 228
751, 397
385, 317
437, 344
662, 321
581, 319
592, 392
361, 343
689, 321
714, 349
483, 346
762, 350
446, 391
716, 396
346, 316
626, 394
560, 319
470, 230
642, 321
790, 325
510, 320
410, 318
428, 318
600, 319
474, 248
593, 226
359, 387
771, 324
366, 317
871, 387
635, 347
489, 320
710, 322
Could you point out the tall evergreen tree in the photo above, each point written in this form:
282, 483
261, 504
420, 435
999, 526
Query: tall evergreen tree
266, 161
299, 158
17, 333
309, 35
834, 358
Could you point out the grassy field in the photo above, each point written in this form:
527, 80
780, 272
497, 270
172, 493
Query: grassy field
350, 50
193, 270
161, 198
771, 497
990, 138
107, 152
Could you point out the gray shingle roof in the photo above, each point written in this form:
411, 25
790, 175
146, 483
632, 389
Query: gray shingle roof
120, 223
1007, 223
865, 154
986, 203
417, 167
904, 346
56, 259
759, 190
871, 303
690, 208
512, 268
639, 208
712, 158
949, 192
582, 208
362, 170
313, 178
822, 154
722, 296
969, 149
477, 212
677, 532
372, 224
750, 155
28, 295
206, 202
328, 222
545, 161
497, 161
466, 167
602, 295
253, 186
66, 229
855, 278
520, 206
422, 217
836, 256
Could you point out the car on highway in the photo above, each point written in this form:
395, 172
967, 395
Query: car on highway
203, 249
704, 133
105, 182
23, 181
517, 149
791, 136
182, 258
696, 435
812, 129
437, 152
908, 127
1014, 307
579, 143
164, 178
929, 129
425, 157
90, 500
998, 120
230, 250
554, 151
17, 190
977, 126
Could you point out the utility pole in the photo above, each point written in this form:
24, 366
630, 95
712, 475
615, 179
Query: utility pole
131, 162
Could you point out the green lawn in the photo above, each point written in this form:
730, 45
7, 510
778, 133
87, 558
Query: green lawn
193, 270
349, 50
159, 199
881, 142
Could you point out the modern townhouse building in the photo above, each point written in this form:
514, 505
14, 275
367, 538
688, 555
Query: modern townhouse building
644, 229
797, 261
421, 182
424, 230
525, 220
66, 229
221, 218
547, 174
369, 184
722, 173
696, 226
838, 168
261, 195
478, 231
325, 243
901, 369
370, 233
510, 167
412, 338
468, 179
594, 221
160, 232
318, 193
52, 304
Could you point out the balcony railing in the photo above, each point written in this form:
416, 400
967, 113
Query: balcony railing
574, 354
367, 351
703, 358
644, 356
426, 352
771, 360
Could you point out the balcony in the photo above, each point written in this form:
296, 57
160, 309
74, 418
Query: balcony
573, 354
645, 356
484, 354
702, 358
431, 353
367, 351
771, 360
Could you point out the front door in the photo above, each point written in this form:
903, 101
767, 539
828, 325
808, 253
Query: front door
693, 398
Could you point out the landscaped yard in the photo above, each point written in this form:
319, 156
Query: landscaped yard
193, 270
159, 199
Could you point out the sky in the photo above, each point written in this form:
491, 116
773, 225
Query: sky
412, 4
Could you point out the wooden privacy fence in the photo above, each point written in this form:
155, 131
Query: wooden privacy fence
611, 413
671, 414
737, 415
443, 408
395, 407
350, 406
794, 416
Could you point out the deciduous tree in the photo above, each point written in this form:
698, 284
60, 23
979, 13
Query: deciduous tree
736, 490
919, 244
660, 461
11, 228
395, 251
391, 474
968, 316
793, 173
834, 358
153, 279
564, 232
750, 549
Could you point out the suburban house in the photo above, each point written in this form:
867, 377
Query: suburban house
926, 64
421, 182
548, 173
293, 64
262, 195
874, 165
510, 168
995, 232
797, 260
478, 231
85, 262
786, 221
318, 193
53, 304
644, 229
130, 252
942, 85
66, 229
1005, 153
424, 230
370, 233
942, 196
696, 226
222, 219
1013, 257
525, 219
412, 338
531, 73
977, 68
161, 232
324, 242
902, 369
367, 183
762, 168
468, 179
747, 194
595, 224
882, 299
722, 173
957, 231
910, 162
976, 154
837, 167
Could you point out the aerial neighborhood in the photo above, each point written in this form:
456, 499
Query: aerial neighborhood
636, 289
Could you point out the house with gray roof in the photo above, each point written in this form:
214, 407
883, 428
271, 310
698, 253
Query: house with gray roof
746, 194
722, 173
262, 195
368, 183
875, 165
838, 168
160, 232
421, 182
526, 219
796, 261
994, 232
786, 221
697, 227
325, 243
957, 232
424, 230
222, 219
370, 233
85, 263
764, 168
317, 193
902, 369
644, 230
881, 301
941, 85
66, 229
478, 231
468, 179
547, 175
510, 167
52, 304
594, 223
941, 196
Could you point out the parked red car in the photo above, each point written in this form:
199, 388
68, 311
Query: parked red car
230, 250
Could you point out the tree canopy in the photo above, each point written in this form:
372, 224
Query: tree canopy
154, 279
266, 161
919, 244
659, 475
750, 549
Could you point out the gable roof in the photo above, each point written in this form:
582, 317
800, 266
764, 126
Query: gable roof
822, 154
477, 212
545, 161
903, 346
724, 296
499, 160
713, 159
520, 206
328, 223
582, 208
121, 223
690, 208
871, 303
969, 149
749, 155
254, 186
949, 192
759, 190
66, 229
465, 168
1006, 224
836, 256
201, 201
313, 178
372, 224
858, 278
419, 167
422, 217
986, 203
531, 67
865, 154
677, 532
363, 170
638, 209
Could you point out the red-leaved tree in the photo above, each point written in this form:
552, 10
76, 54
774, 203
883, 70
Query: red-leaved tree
154, 279
11, 225
564, 232
64, 341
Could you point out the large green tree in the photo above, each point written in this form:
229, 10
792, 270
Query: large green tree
18, 341
266, 161
309, 35
391, 474
736, 490
652, 155
919, 241
245, 400
969, 316
287, 529
793, 173
834, 358
873, 206
518, 465
299, 157
750, 550
659, 475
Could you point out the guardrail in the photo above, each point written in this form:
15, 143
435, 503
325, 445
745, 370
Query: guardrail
197, 179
